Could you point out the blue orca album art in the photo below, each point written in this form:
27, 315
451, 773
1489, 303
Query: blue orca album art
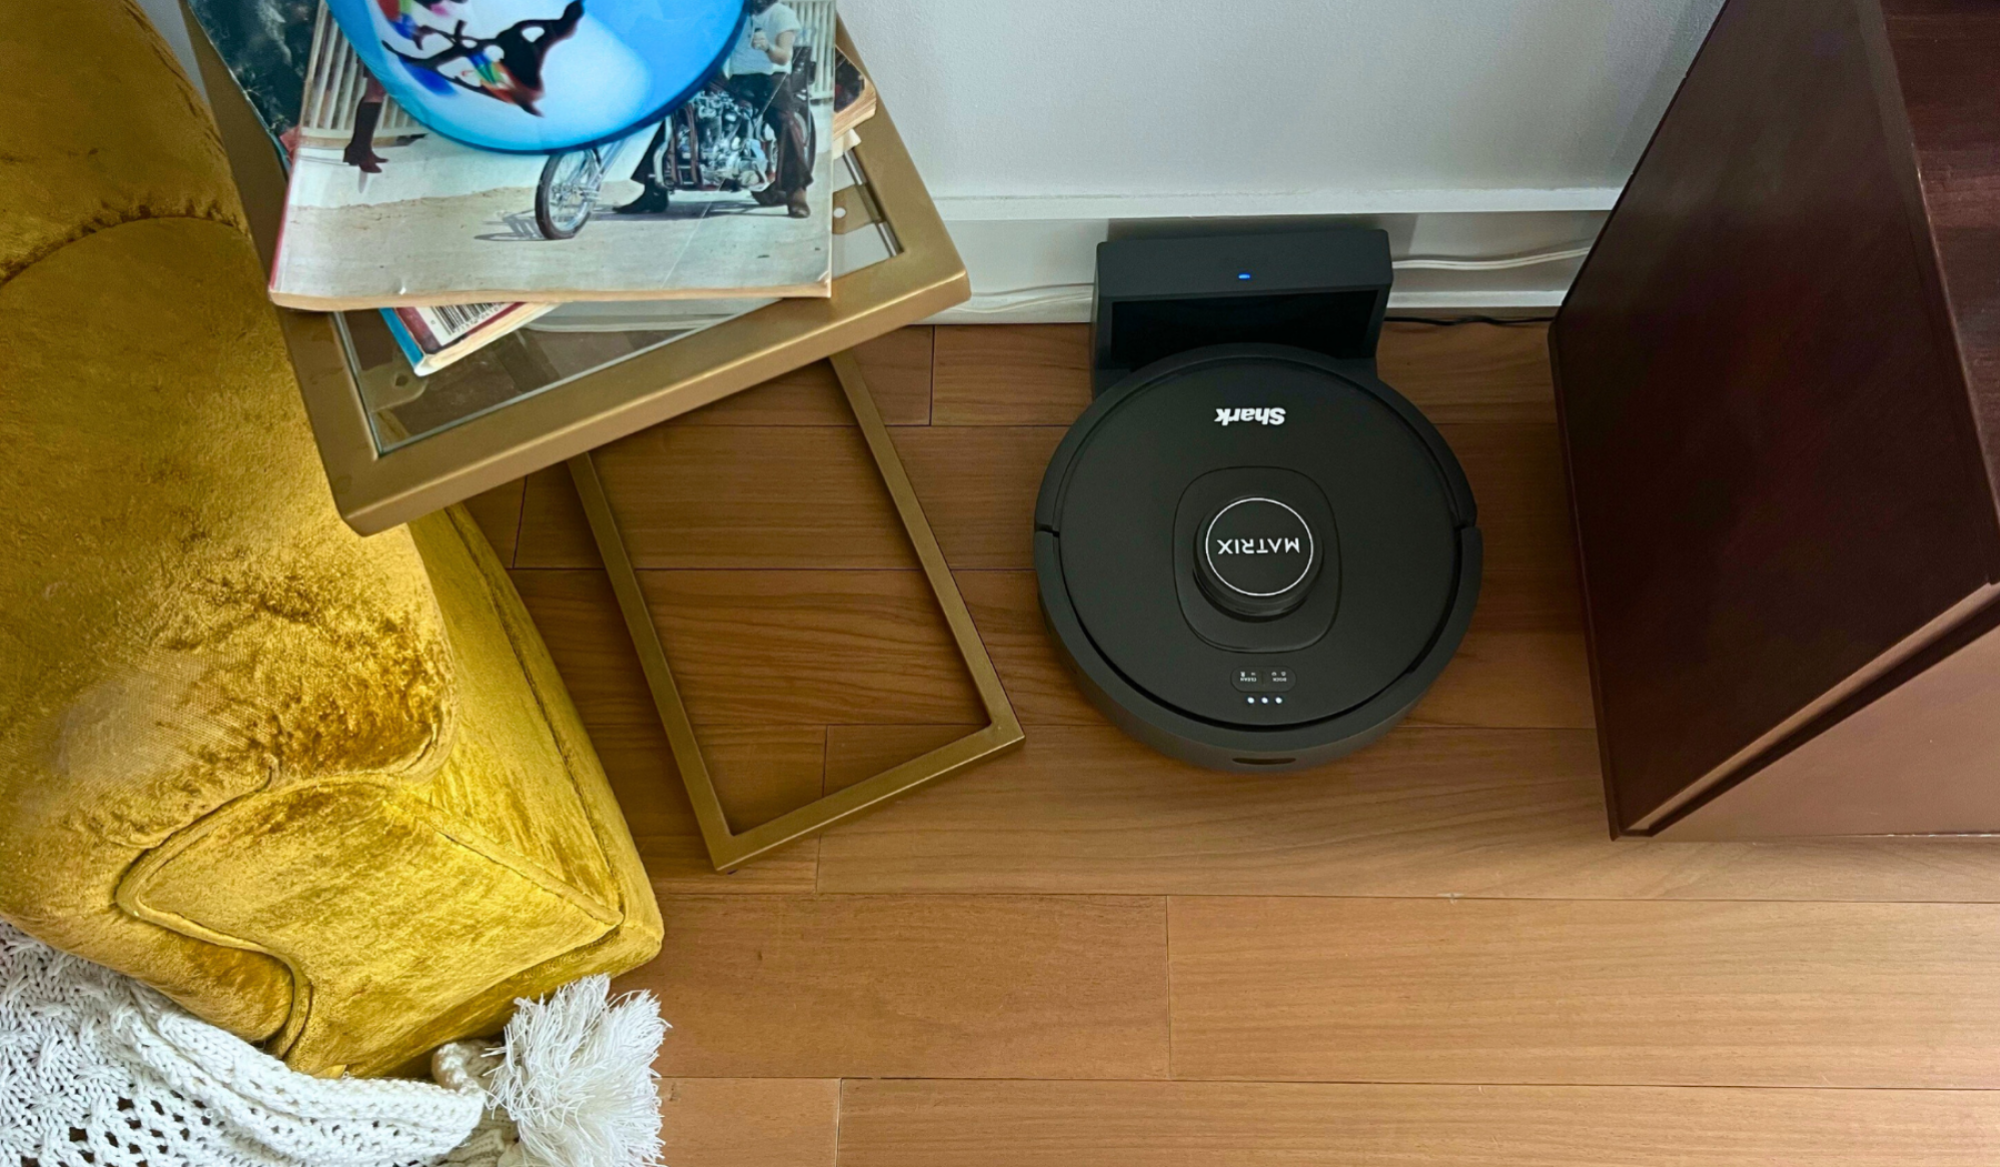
539, 75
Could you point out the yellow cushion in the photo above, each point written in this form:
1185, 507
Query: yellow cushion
326, 791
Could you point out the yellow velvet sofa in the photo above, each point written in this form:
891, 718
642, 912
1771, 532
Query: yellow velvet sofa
327, 792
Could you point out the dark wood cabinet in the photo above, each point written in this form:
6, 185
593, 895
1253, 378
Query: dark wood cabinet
1779, 382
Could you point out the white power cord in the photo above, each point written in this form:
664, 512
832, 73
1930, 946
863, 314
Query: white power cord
1499, 263
1037, 296
1042, 294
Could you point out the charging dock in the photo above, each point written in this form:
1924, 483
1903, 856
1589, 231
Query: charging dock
1254, 554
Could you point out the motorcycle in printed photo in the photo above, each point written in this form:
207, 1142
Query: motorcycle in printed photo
715, 141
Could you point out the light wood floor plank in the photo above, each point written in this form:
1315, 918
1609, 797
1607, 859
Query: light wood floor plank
759, 773
728, 497
978, 487
1222, 1124
1470, 372
897, 367
1535, 679
554, 531
1500, 676
1029, 374
809, 498
898, 986
498, 513
1039, 374
855, 752
1442, 908
1586, 992
1006, 610
823, 647
749, 1122
578, 618
1424, 812
1530, 580
745, 497
761, 647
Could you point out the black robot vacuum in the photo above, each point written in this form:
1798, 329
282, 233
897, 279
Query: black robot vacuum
1254, 554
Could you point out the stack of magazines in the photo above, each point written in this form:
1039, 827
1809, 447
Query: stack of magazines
716, 207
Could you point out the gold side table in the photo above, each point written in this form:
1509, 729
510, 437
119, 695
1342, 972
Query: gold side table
394, 451
396, 446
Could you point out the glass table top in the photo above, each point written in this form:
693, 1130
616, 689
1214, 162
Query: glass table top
571, 341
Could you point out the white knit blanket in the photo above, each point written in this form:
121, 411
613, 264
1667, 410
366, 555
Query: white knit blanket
97, 1070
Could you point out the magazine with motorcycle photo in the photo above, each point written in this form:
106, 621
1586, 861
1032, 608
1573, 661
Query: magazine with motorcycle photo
727, 195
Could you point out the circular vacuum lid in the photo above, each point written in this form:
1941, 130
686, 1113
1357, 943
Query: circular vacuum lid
1258, 557
1257, 537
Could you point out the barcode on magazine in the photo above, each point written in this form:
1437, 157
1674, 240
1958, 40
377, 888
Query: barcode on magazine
449, 322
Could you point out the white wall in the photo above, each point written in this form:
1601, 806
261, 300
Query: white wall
1467, 128
1240, 98
1046, 123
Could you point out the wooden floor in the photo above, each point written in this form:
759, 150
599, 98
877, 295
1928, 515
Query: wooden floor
1084, 954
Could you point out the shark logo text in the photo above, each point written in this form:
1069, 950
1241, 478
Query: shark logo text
1272, 416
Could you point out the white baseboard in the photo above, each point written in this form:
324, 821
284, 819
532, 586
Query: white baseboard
1272, 204
1071, 304
1033, 260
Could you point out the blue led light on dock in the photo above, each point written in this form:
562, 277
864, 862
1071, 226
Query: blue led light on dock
1243, 275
